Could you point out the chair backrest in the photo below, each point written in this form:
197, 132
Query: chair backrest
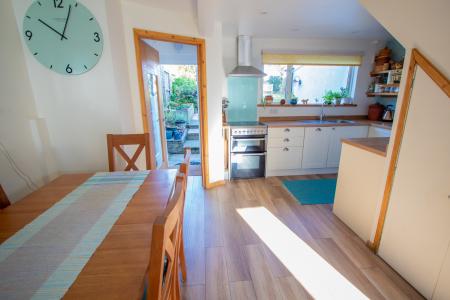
116, 141
166, 240
4, 201
184, 166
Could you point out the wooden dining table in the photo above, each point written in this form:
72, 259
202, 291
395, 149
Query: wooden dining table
118, 267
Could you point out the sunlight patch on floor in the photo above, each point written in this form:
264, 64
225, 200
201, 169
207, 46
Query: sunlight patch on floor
315, 274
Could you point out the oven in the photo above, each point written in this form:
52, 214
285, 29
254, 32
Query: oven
248, 151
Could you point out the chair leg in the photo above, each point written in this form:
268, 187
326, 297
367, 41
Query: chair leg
182, 259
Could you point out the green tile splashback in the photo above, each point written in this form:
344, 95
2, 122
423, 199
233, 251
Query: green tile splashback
243, 96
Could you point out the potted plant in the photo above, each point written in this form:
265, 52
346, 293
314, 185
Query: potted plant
341, 94
294, 100
170, 123
178, 134
268, 99
328, 97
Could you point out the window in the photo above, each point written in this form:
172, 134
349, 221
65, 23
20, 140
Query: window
307, 81
308, 76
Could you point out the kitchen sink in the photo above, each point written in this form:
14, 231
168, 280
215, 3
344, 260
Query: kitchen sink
316, 122
342, 121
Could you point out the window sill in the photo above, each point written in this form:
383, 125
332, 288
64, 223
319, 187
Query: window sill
304, 105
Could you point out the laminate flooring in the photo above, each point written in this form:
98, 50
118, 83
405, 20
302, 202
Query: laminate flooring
227, 259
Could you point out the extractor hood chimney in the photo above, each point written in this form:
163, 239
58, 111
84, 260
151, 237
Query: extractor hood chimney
244, 67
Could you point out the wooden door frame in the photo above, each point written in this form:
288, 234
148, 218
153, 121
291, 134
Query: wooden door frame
203, 108
417, 60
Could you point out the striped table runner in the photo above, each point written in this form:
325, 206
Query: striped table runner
43, 259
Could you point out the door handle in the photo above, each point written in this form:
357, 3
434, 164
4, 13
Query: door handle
318, 129
287, 130
286, 140
286, 149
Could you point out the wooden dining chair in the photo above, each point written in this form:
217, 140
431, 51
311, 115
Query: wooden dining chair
116, 141
163, 273
184, 170
4, 201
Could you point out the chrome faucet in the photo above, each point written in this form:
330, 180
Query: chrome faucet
322, 115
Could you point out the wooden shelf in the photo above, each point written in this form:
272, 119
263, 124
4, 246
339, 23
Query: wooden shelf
375, 74
304, 105
382, 94
389, 84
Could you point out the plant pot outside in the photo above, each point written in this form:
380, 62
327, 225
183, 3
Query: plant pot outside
178, 134
180, 124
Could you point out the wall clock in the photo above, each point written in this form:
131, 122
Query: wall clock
63, 35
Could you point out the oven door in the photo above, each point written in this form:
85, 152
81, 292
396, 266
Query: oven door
248, 165
253, 144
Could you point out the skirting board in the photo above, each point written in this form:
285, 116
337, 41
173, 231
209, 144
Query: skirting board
270, 173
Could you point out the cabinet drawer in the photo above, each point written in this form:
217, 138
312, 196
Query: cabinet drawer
287, 141
286, 131
284, 158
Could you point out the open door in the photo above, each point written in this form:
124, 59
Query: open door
154, 118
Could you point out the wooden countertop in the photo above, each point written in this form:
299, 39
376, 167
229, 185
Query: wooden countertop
274, 124
377, 145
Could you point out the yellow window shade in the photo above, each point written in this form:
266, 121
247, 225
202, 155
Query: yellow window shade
311, 59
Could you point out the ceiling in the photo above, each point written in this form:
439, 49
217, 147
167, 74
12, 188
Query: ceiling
286, 18
299, 19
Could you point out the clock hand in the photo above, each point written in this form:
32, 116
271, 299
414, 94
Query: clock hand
67, 20
62, 36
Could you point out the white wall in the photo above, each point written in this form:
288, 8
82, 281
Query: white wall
22, 133
422, 25
142, 16
80, 110
416, 23
364, 47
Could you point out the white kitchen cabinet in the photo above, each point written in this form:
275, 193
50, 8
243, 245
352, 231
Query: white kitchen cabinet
379, 132
336, 136
284, 158
315, 149
284, 148
286, 132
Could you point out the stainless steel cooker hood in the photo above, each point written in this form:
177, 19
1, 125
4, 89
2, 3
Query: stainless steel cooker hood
244, 67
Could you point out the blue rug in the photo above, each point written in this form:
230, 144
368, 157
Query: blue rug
316, 191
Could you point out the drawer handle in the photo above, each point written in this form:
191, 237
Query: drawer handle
318, 129
286, 140
287, 130
286, 149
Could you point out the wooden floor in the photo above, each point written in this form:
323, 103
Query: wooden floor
227, 260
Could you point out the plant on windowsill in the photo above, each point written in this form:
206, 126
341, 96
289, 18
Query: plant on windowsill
293, 101
341, 94
328, 97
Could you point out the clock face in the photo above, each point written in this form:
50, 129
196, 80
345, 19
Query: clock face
63, 35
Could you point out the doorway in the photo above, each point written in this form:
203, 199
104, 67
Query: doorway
171, 74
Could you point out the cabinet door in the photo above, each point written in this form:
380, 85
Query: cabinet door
416, 233
379, 132
336, 136
315, 149
284, 158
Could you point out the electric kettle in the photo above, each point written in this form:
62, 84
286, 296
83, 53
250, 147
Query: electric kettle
388, 114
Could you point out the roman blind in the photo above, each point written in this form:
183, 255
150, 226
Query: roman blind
311, 59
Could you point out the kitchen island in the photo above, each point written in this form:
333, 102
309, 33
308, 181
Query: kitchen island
360, 184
